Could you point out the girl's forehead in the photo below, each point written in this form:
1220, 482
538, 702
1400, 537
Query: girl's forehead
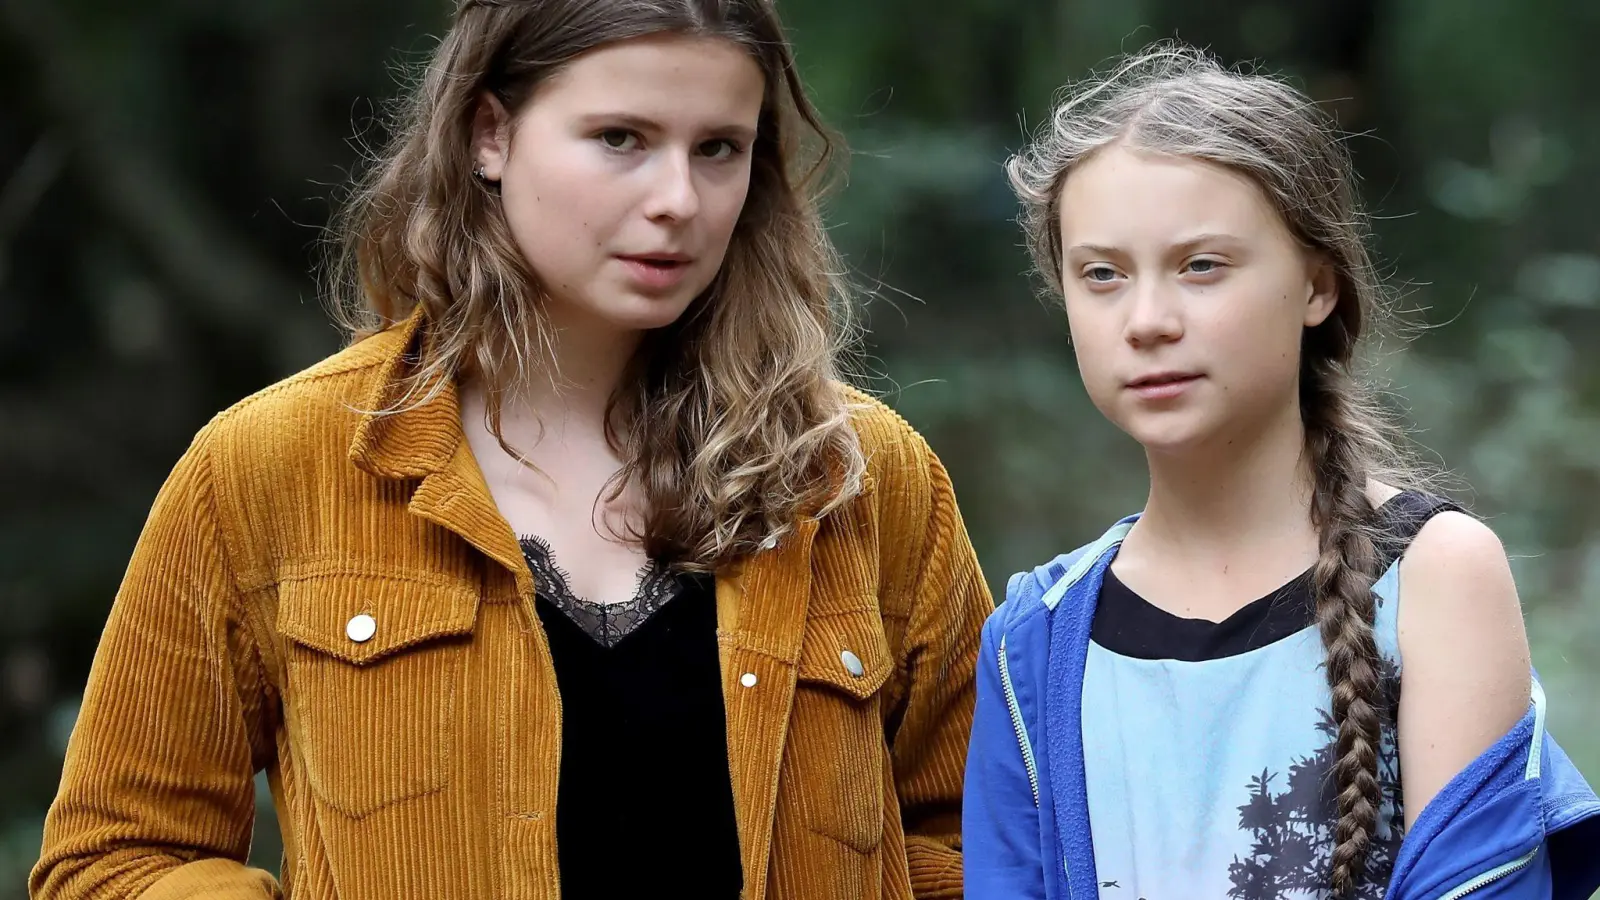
1123, 195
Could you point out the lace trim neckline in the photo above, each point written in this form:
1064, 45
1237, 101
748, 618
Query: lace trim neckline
605, 623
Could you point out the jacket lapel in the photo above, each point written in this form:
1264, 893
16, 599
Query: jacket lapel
403, 438
457, 498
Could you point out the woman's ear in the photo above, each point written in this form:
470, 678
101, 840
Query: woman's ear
1322, 293
491, 137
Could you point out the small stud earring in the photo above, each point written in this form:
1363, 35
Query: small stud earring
478, 172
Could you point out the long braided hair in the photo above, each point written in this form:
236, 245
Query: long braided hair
1178, 101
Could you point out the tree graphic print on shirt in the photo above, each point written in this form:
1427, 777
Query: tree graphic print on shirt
1291, 820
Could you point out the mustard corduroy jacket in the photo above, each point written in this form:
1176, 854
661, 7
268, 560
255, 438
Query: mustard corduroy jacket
422, 762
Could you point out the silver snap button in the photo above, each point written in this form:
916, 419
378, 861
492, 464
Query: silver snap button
769, 542
852, 664
361, 628
748, 679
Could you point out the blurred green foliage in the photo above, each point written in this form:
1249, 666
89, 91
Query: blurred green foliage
164, 168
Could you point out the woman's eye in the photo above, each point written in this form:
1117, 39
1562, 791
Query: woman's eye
721, 148
1203, 266
1101, 274
617, 139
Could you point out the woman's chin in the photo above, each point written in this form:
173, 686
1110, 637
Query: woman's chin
1169, 438
635, 312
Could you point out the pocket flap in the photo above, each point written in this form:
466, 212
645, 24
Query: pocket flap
846, 651
322, 613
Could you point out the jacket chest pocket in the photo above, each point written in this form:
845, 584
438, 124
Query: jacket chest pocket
836, 744
374, 665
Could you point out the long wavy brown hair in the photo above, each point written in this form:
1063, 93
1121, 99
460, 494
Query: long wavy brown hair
731, 421
1179, 101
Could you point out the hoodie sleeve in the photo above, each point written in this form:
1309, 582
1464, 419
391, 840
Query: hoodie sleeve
1000, 818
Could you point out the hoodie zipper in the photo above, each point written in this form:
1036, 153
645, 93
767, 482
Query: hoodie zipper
1526, 860
1493, 875
1023, 742
1522, 862
1016, 723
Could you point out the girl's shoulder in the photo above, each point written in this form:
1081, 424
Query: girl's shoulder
1458, 591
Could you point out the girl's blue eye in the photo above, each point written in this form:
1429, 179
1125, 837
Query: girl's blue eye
1203, 266
1101, 274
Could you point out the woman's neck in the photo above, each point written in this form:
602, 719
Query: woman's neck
557, 480
1212, 508
563, 405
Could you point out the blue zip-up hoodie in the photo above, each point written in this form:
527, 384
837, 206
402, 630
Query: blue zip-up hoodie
1518, 822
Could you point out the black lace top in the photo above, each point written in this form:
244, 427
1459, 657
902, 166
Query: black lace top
607, 623
644, 762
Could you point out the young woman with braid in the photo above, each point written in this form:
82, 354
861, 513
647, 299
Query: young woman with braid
1256, 687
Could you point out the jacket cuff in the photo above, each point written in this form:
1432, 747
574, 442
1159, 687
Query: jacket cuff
935, 870
214, 879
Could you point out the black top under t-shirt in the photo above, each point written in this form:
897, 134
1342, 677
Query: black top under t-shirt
1129, 625
645, 802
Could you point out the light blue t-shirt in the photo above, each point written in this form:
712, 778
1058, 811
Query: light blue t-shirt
1212, 778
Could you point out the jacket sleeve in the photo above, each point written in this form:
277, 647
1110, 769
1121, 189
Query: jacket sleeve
157, 796
949, 603
1000, 821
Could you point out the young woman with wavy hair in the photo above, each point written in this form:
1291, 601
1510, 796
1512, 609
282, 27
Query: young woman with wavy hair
580, 571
